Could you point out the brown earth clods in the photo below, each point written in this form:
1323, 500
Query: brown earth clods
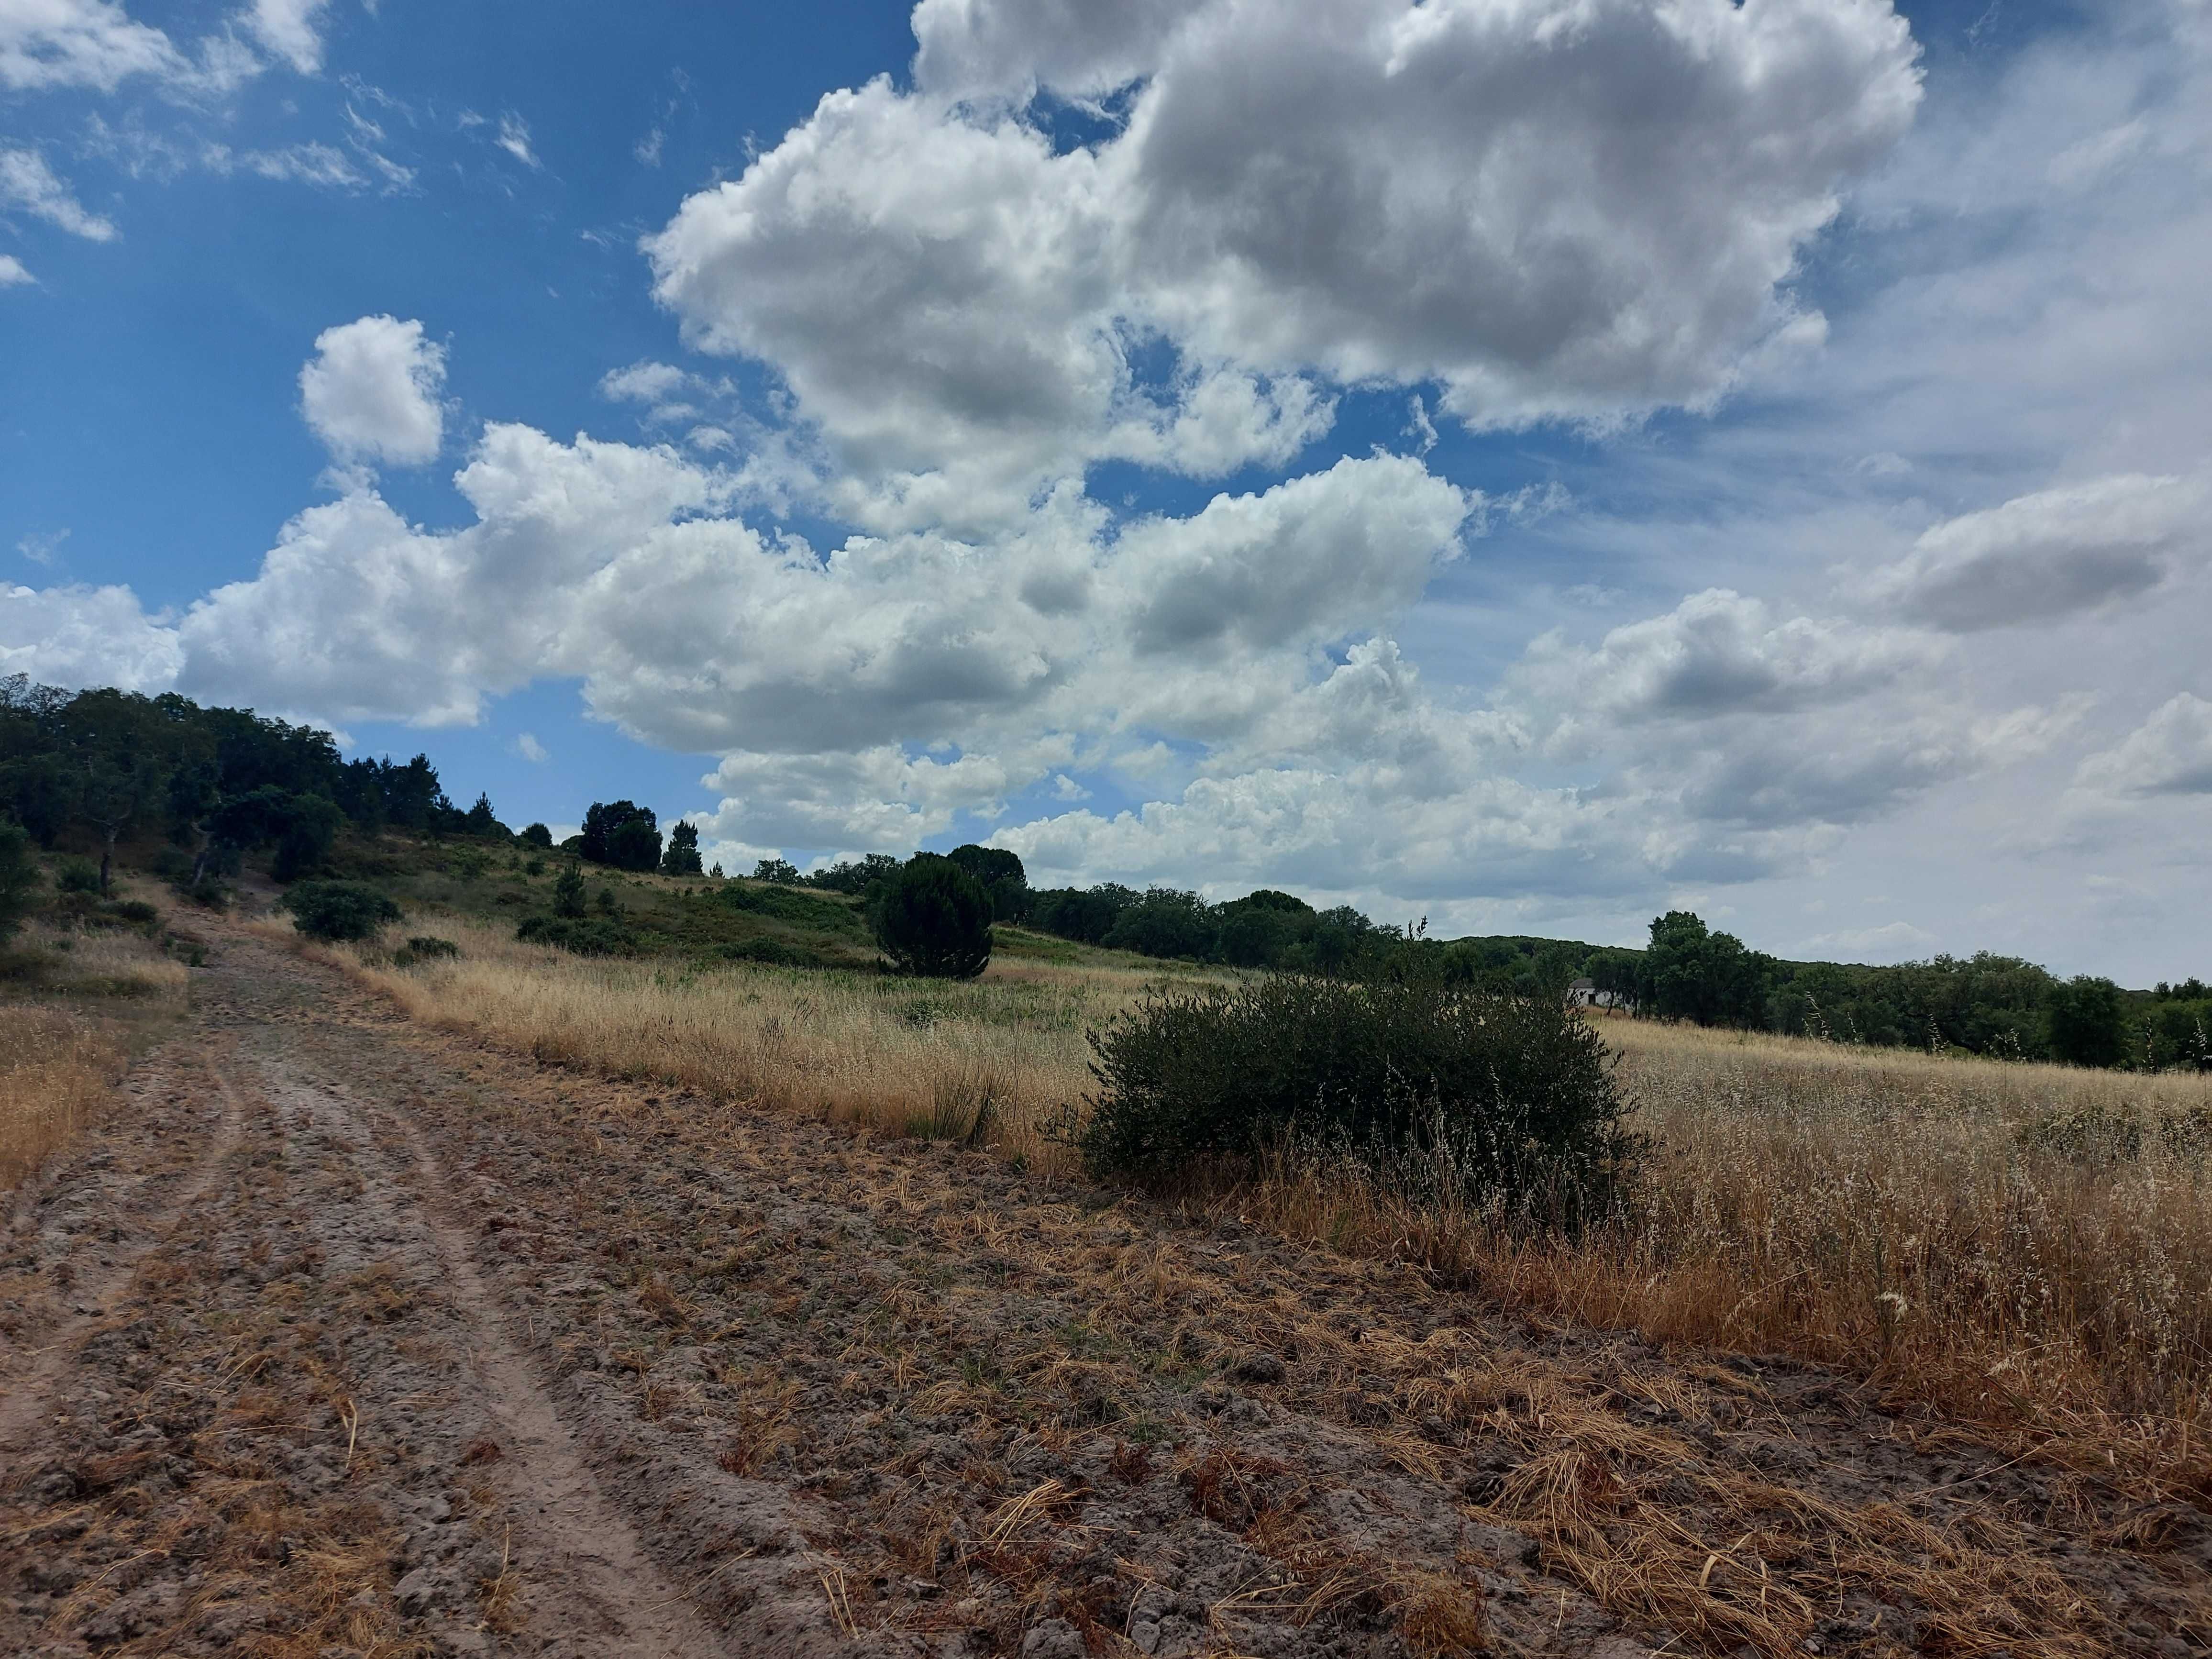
347, 1338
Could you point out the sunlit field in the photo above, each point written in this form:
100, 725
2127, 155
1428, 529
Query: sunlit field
2025, 1244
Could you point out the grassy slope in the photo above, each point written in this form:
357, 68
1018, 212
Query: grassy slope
701, 919
82, 987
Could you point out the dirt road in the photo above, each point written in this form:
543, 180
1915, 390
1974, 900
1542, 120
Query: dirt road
347, 1337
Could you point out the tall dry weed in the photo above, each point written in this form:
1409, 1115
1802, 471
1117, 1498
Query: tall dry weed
987, 1060
1909, 1217
57, 1071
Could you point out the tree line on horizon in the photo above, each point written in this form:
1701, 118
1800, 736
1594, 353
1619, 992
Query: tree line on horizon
99, 769
2001, 1007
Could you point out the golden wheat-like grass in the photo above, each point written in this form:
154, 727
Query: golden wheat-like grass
1899, 1213
57, 1070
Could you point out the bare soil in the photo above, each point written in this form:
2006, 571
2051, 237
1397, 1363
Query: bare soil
345, 1337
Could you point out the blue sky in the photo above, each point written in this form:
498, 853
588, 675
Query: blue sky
1748, 459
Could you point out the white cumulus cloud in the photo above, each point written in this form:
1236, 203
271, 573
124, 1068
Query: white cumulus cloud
77, 637
371, 392
12, 272
1579, 208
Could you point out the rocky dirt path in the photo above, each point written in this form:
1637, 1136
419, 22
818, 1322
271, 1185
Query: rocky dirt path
349, 1338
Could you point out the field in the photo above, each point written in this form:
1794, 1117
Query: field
403, 1305
2021, 1245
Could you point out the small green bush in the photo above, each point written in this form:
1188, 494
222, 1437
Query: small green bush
339, 910
933, 919
774, 951
425, 947
586, 936
1513, 1096
569, 891
77, 875
133, 910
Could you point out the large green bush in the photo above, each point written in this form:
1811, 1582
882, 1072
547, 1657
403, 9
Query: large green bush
933, 918
339, 910
1513, 1094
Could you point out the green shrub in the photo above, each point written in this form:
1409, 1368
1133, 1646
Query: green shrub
586, 936
18, 876
933, 919
1514, 1095
339, 910
425, 947
133, 910
792, 904
77, 875
771, 951
569, 891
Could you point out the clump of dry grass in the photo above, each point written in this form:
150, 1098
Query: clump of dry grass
989, 1060
57, 1070
1908, 1216
1896, 1214
101, 962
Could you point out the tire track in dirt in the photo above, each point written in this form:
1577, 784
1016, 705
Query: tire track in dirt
99, 1300
589, 1576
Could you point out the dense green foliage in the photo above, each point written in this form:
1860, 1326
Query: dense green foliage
587, 936
933, 918
1001, 874
339, 910
1510, 1094
100, 769
681, 858
623, 834
19, 877
1266, 929
853, 880
2000, 1006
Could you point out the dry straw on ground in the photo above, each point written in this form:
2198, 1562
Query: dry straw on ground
2023, 1245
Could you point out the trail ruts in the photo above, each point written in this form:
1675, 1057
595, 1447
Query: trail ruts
413, 1348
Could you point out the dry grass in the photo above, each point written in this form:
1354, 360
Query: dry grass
88, 1000
58, 1070
1994, 1238
989, 1060
2027, 1247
